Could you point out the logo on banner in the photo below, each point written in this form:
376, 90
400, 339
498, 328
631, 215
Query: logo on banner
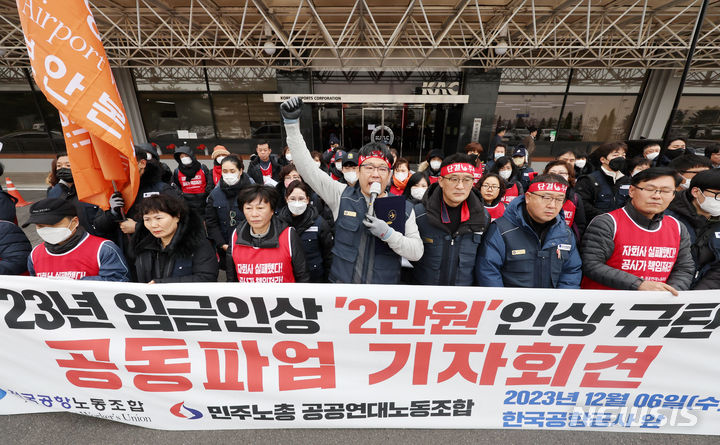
185, 412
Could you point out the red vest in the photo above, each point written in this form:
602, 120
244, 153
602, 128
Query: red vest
266, 171
510, 194
82, 261
269, 265
569, 210
648, 254
496, 211
194, 186
433, 179
217, 174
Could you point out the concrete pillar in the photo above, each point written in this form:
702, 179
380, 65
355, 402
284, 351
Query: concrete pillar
126, 88
298, 82
482, 87
655, 105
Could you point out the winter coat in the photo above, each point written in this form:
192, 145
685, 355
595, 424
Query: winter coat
598, 245
316, 238
188, 258
222, 213
448, 258
704, 239
512, 255
255, 171
14, 249
600, 195
195, 198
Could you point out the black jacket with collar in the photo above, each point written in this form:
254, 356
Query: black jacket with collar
190, 257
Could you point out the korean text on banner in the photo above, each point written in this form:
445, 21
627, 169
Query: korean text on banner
70, 66
223, 356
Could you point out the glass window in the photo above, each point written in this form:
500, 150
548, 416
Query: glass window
264, 117
231, 116
516, 112
698, 119
22, 127
164, 114
596, 119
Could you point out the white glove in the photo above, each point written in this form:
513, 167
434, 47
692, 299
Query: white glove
378, 227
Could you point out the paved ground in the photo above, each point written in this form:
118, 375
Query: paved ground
71, 429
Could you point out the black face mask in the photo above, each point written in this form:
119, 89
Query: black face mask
65, 174
617, 164
672, 154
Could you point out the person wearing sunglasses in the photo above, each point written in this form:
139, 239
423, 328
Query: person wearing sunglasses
638, 247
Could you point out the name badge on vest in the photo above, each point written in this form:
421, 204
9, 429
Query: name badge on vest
518, 252
312, 229
717, 234
350, 213
625, 187
149, 194
566, 247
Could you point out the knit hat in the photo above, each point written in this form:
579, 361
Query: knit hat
220, 150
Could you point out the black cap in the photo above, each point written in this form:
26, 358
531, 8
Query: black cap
350, 157
50, 211
519, 151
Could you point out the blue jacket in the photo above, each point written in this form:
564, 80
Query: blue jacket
356, 255
448, 258
511, 254
14, 249
222, 213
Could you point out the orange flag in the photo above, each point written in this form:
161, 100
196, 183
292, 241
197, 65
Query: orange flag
70, 66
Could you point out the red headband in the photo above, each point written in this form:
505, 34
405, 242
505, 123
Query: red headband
547, 187
458, 167
375, 154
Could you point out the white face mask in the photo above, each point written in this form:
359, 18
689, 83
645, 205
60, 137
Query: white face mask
401, 176
710, 205
297, 207
580, 163
350, 177
288, 156
186, 160
685, 184
435, 165
418, 192
499, 155
505, 174
652, 155
317, 163
635, 172
519, 161
219, 159
338, 165
231, 178
54, 235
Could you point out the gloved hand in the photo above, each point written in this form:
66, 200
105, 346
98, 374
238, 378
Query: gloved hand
291, 109
378, 227
117, 203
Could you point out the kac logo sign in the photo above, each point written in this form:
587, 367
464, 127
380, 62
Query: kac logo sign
184, 412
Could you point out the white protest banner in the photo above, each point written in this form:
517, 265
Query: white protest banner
230, 356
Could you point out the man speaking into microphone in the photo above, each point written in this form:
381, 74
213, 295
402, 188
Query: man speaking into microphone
356, 256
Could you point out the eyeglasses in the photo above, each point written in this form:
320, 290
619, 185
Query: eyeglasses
371, 168
491, 188
666, 193
715, 195
455, 180
550, 199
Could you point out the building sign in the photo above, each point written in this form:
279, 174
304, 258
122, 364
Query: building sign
440, 98
477, 125
384, 134
436, 88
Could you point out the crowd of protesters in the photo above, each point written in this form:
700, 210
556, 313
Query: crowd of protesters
591, 221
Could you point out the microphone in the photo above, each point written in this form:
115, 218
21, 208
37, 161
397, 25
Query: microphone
375, 190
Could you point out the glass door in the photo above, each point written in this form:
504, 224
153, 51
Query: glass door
399, 127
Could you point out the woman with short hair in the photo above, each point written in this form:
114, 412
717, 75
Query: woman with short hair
263, 248
169, 245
